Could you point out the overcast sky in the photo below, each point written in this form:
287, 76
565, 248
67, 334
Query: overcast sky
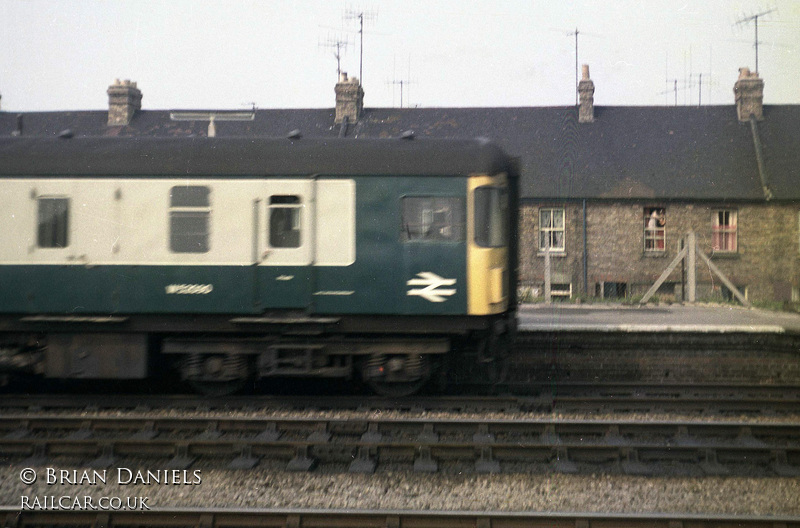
203, 54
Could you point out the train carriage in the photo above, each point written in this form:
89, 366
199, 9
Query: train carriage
230, 259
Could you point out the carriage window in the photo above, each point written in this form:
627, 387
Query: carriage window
189, 219
53, 223
284, 221
432, 218
491, 216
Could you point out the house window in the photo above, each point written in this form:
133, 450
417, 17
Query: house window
53, 223
284, 221
561, 289
611, 290
655, 232
728, 296
551, 229
432, 218
189, 219
724, 231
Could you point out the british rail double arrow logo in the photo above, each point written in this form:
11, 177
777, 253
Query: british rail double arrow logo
432, 283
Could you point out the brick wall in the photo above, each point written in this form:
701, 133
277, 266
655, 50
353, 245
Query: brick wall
766, 262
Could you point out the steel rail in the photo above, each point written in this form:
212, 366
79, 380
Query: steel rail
674, 389
535, 397
144, 403
226, 423
337, 518
697, 398
697, 406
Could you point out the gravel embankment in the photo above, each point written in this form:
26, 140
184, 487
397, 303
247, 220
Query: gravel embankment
271, 487
279, 414
453, 488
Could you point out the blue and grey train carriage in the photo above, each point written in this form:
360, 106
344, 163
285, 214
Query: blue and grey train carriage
232, 259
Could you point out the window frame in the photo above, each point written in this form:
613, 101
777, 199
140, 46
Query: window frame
54, 219
656, 234
502, 215
721, 232
183, 211
550, 230
296, 207
458, 220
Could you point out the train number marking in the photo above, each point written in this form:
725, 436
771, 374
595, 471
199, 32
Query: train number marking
432, 290
189, 289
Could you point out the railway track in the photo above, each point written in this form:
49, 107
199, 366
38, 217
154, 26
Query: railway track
192, 403
239, 518
702, 399
422, 444
698, 399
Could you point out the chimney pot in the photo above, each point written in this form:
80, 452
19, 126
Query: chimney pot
585, 72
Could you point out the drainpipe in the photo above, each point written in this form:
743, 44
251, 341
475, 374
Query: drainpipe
585, 254
762, 167
343, 127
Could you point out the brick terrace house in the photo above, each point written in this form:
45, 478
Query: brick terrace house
610, 191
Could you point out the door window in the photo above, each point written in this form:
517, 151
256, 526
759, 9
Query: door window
284, 221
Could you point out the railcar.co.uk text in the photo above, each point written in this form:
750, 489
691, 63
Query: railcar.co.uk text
119, 476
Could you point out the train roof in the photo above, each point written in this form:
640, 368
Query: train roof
202, 156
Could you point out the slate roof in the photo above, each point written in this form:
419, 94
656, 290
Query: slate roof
657, 153
247, 156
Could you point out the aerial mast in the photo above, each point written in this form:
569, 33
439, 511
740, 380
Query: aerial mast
402, 83
360, 15
754, 19
338, 44
576, 33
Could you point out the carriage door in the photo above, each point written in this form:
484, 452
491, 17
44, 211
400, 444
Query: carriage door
283, 244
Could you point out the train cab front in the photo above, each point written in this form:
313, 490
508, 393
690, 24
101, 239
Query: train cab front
490, 265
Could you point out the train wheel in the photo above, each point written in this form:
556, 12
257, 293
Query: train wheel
398, 375
215, 374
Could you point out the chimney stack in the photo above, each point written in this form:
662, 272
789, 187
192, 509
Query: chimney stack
349, 99
586, 94
124, 99
749, 93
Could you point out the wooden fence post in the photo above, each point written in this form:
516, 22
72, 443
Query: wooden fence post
691, 266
